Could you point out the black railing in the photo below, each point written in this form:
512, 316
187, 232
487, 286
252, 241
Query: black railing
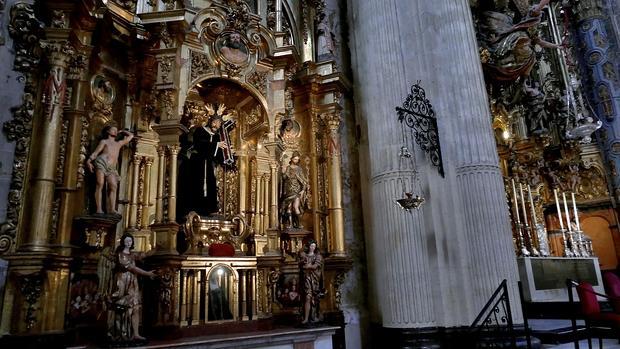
493, 327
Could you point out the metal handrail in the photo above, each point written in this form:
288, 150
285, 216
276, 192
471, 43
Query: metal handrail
491, 318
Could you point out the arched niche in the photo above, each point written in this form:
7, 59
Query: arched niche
247, 108
222, 290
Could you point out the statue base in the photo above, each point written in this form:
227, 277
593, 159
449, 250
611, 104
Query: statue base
292, 240
96, 228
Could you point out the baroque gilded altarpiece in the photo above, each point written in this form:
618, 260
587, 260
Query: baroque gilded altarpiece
151, 66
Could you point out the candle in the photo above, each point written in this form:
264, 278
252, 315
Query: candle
523, 204
529, 191
575, 212
557, 206
570, 229
514, 199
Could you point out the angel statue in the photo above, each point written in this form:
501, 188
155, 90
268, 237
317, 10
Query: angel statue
511, 45
311, 265
294, 193
118, 285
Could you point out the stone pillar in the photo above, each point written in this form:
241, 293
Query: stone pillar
466, 125
601, 59
45, 147
336, 217
161, 172
435, 267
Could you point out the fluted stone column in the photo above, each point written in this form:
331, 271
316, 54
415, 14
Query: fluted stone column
485, 228
437, 266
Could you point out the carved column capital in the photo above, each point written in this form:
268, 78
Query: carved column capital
148, 161
174, 149
332, 120
58, 51
161, 150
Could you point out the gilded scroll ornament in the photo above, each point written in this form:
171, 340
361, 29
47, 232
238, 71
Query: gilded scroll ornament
200, 65
259, 80
166, 64
238, 14
26, 31
31, 286
59, 19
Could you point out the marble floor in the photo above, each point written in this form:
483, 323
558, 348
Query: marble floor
550, 325
607, 344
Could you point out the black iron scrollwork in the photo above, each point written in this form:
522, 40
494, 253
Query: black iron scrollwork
493, 327
418, 114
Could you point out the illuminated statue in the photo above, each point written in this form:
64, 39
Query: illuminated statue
118, 284
311, 264
294, 196
103, 163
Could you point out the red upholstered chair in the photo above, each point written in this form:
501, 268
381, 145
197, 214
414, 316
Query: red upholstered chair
591, 312
612, 288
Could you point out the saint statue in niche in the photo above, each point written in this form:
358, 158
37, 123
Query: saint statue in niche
294, 193
202, 151
232, 48
103, 163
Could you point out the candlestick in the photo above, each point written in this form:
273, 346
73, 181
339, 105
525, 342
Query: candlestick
557, 206
570, 229
523, 203
575, 212
514, 199
534, 220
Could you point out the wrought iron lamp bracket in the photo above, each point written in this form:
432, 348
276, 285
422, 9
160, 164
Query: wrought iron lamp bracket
418, 113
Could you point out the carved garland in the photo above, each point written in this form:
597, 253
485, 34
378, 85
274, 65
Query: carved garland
26, 31
30, 287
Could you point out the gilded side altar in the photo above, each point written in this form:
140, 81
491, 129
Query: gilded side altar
154, 67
